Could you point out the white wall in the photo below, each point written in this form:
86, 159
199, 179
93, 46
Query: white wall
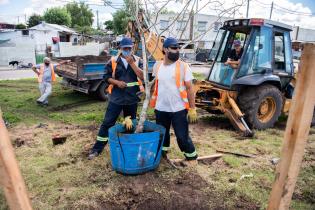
92, 48
303, 34
44, 39
19, 48
207, 36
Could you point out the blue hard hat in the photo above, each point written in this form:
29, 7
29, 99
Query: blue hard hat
170, 41
126, 42
237, 43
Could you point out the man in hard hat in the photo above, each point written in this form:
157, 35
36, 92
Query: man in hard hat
235, 55
124, 74
173, 99
46, 75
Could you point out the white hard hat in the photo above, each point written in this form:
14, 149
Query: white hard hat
46, 59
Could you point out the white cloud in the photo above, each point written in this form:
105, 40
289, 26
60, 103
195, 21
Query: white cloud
40, 6
29, 11
2, 2
102, 18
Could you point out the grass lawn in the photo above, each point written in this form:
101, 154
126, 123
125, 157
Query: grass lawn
60, 177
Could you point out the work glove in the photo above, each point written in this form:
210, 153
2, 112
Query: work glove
127, 123
192, 115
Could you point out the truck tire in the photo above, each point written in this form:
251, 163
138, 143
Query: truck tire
261, 105
102, 91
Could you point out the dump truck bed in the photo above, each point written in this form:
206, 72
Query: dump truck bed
82, 68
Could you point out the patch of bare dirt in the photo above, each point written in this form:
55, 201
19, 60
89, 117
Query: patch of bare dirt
184, 189
187, 191
215, 122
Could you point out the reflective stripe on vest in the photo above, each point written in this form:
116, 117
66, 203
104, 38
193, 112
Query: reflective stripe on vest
180, 71
114, 66
41, 73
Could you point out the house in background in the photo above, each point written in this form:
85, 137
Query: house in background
16, 45
47, 37
203, 32
6, 26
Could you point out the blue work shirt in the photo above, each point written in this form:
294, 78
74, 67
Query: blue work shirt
47, 72
126, 96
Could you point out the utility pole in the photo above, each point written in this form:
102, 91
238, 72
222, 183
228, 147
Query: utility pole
271, 10
25, 19
193, 22
191, 27
18, 19
98, 24
247, 8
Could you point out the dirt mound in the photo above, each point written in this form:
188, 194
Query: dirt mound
148, 192
86, 59
187, 191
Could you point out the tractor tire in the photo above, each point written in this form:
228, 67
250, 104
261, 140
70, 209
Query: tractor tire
261, 105
102, 92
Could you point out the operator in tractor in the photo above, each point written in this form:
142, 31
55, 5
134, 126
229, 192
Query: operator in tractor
124, 74
173, 99
235, 55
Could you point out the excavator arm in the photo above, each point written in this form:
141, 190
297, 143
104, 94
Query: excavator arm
154, 43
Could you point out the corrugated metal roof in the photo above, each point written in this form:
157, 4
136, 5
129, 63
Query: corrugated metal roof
49, 26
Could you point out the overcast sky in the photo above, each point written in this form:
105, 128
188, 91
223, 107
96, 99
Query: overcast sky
292, 12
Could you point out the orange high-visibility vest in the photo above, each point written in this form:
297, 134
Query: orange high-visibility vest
114, 66
41, 73
181, 67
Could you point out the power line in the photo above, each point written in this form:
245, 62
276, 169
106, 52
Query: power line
293, 12
284, 10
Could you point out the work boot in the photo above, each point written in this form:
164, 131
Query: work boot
39, 103
92, 155
164, 154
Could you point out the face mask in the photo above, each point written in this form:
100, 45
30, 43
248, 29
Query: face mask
126, 53
173, 56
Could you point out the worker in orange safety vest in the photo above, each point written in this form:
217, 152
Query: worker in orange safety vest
124, 74
173, 99
46, 75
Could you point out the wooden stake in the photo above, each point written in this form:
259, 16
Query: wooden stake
235, 153
296, 133
11, 178
201, 158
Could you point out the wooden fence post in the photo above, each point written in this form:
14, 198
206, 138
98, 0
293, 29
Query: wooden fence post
296, 133
11, 178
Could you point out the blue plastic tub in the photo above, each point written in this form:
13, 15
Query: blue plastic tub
136, 153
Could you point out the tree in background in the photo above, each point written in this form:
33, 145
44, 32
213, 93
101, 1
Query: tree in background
20, 26
109, 25
58, 16
120, 21
81, 16
122, 16
34, 20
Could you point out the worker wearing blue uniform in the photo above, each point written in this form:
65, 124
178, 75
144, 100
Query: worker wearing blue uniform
124, 74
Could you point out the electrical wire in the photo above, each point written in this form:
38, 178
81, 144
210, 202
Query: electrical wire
284, 10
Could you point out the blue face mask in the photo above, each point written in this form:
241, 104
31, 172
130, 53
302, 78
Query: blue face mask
126, 53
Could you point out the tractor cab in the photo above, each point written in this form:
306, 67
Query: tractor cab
249, 79
266, 55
